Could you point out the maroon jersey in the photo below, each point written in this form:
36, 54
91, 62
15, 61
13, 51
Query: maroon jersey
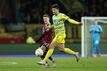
46, 37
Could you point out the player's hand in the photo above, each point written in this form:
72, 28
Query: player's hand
96, 30
80, 24
33, 41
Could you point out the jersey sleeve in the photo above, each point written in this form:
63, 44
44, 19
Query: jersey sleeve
100, 29
65, 17
91, 28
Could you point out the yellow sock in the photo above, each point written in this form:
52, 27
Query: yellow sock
69, 51
49, 53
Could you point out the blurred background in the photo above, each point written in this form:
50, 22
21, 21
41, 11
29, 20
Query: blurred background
20, 19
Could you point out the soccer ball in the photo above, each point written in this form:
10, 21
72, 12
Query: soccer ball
39, 52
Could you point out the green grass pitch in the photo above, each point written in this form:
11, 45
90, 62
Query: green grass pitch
63, 64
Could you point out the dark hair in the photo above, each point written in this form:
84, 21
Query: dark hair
46, 15
55, 6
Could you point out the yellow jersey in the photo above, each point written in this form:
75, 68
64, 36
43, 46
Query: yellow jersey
59, 26
58, 22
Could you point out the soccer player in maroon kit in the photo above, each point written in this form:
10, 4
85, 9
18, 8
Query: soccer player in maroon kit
46, 38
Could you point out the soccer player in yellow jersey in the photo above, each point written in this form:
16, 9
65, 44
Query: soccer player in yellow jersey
60, 35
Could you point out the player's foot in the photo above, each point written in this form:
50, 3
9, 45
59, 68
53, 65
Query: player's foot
46, 65
94, 55
77, 56
42, 62
99, 55
53, 63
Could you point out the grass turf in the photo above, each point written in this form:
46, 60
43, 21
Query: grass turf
63, 64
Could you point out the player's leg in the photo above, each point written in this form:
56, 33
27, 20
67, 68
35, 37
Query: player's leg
46, 50
56, 40
44, 47
50, 58
44, 53
97, 47
93, 48
61, 47
49, 53
42, 57
53, 61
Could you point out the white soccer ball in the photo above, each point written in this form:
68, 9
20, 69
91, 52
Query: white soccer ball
39, 52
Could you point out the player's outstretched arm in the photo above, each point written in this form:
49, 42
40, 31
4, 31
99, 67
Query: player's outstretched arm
73, 21
65, 17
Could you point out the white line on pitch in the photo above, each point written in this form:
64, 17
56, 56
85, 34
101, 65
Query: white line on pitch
8, 63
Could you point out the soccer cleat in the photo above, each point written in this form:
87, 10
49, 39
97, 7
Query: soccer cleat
99, 55
77, 56
42, 62
94, 55
46, 65
53, 63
